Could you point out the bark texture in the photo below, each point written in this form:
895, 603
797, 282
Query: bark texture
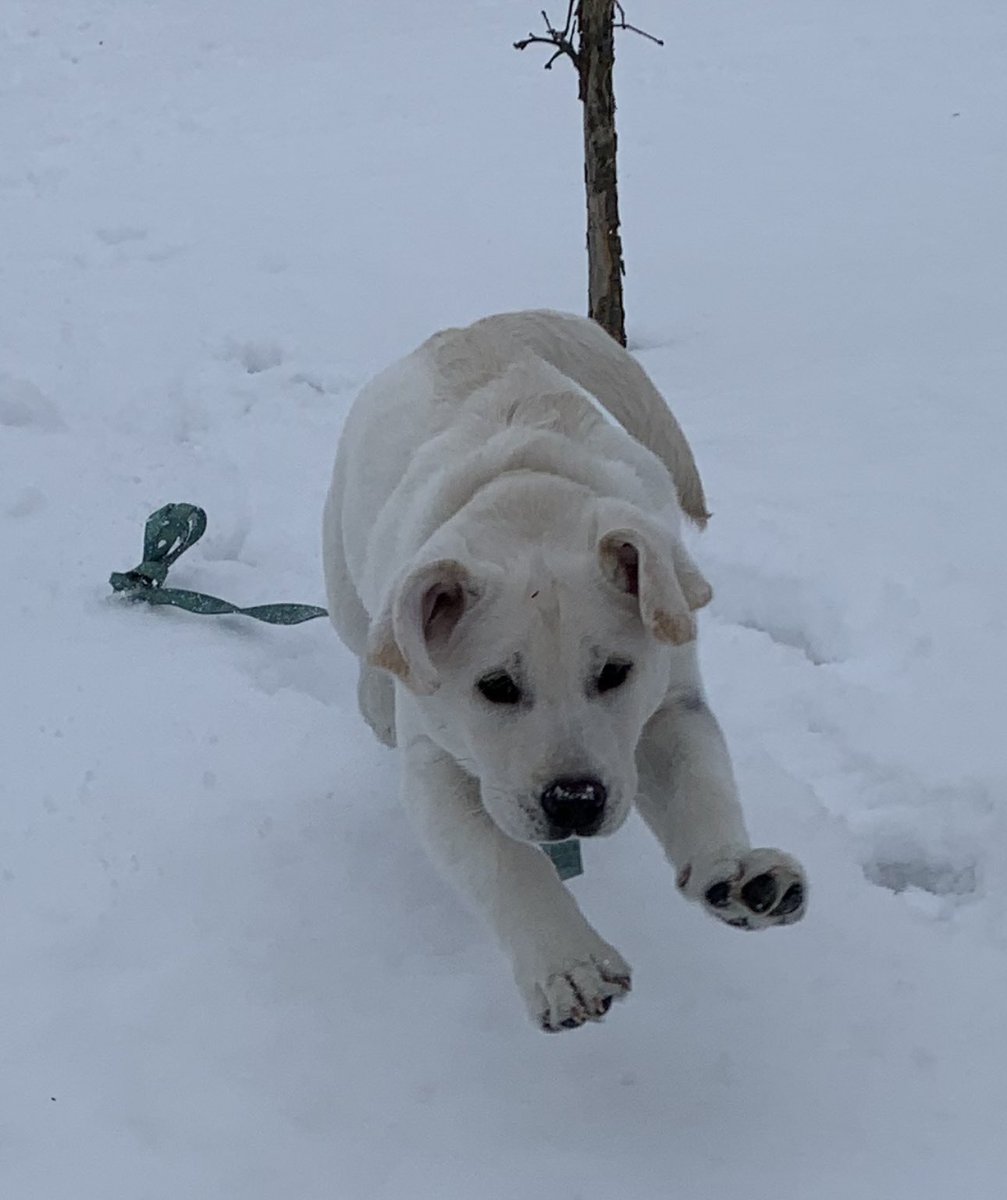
595, 60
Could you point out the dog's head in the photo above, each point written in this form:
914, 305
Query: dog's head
540, 677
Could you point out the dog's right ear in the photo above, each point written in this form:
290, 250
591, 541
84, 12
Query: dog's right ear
421, 611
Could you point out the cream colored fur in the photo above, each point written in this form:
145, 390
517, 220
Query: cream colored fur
508, 499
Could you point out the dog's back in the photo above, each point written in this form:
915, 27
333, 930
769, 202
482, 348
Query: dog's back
585, 353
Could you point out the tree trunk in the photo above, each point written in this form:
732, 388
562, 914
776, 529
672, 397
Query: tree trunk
604, 245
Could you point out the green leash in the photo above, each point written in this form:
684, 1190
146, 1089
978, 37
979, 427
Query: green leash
169, 532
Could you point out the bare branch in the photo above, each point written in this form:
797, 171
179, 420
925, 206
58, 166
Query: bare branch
621, 24
561, 39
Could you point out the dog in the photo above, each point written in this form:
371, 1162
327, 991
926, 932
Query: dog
503, 552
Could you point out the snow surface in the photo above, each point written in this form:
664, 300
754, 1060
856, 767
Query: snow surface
227, 970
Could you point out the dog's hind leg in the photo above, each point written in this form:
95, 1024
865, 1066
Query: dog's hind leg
376, 697
689, 799
566, 973
346, 612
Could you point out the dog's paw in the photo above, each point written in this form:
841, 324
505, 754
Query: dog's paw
755, 890
567, 994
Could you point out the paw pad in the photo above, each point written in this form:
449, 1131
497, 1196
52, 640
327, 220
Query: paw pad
793, 899
760, 889
759, 893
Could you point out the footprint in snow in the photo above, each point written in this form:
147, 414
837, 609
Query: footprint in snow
24, 406
256, 355
115, 235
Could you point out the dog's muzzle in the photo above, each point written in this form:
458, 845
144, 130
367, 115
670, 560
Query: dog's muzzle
574, 807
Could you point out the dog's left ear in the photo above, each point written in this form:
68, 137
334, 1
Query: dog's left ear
419, 613
643, 561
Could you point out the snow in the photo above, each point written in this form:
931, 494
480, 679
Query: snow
228, 971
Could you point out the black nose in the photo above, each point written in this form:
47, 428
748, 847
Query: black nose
574, 805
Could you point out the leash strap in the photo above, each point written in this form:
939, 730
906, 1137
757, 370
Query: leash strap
169, 532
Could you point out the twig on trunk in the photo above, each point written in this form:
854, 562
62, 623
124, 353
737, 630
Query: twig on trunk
562, 39
621, 24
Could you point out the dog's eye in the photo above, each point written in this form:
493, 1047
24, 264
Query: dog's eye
499, 688
613, 675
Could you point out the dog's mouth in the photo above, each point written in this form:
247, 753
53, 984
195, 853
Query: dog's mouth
519, 819
560, 833
524, 820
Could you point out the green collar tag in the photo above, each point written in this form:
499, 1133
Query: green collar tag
566, 858
169, 533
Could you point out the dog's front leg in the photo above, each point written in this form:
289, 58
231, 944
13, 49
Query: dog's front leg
566, 973
689, 799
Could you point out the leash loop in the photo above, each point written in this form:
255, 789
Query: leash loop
169, 532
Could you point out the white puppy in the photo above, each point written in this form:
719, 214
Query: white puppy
507, 563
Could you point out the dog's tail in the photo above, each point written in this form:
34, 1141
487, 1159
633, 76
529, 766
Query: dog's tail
585, 353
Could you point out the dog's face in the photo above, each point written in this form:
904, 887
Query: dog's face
539, 679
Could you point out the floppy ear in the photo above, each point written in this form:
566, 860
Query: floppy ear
661, 574
695, 588
420, 611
